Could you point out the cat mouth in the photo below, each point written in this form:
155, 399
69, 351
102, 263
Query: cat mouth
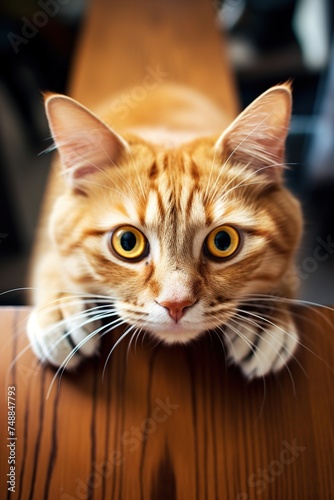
170, 331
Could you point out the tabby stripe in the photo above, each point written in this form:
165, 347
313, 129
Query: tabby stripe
165, 162
150, 271
250, 261
92, 232
141, 212
264, 277
257, 232
160, 205
194, 172
153, 172
179, 161
208, 216
253, 348
279, 248
71, 342
123, 274
189, 203
282, 249
282, 349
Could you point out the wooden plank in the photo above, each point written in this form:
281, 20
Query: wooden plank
170, 423
120, 40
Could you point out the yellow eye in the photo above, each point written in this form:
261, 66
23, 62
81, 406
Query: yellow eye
222, 242
129, 243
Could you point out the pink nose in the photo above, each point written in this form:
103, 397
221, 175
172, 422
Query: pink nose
176, 309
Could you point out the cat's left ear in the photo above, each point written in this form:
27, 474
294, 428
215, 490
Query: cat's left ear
86, 145
257, 136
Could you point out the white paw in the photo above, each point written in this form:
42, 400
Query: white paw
260, 350
56, 342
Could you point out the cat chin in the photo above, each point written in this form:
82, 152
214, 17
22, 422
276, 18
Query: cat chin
176, 336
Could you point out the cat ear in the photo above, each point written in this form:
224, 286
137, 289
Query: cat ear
257, 136
86, 145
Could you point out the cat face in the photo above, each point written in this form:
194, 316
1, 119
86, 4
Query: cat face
176, 238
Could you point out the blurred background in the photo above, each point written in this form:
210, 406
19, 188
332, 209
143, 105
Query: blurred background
270, 41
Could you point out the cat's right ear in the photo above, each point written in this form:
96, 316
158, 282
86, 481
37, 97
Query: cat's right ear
257, 136
86, 145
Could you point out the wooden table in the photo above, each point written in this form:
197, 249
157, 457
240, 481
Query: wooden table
170, 423
165, 423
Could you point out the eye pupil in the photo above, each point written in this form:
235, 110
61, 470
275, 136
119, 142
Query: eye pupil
222, 241
128, 241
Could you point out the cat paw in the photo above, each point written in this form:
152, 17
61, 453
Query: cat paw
61, 336
260, 349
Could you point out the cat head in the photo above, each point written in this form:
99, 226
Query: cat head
177, 238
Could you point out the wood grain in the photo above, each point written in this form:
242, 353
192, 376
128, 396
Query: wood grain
171, 423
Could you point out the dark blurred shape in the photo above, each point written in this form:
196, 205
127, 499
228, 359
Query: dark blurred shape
268, 23
37, 41
320, 156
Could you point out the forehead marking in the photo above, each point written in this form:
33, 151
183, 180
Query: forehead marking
152, 208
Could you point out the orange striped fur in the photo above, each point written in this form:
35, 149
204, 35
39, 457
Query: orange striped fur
170, 171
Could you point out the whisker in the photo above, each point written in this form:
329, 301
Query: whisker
288, 334
68, 358
210, 175
258, 325
138, 176
250, 345
114, 346
300, 302
135, 335
77, 327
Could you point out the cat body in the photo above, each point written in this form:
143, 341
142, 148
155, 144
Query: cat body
172, 221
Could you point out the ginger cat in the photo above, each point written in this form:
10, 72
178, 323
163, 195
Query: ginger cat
172, 222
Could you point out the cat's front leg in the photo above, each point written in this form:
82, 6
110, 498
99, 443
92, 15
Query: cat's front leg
261, 341
61, 331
